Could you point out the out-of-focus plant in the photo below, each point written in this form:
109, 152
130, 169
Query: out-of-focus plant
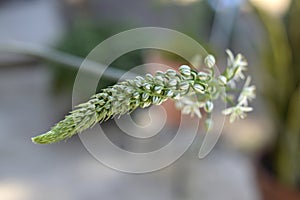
79, 40
281, 87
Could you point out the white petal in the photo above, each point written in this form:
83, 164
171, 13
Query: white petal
246, 109
247, 82
228, 111
232, 117
186, 110
197, 112
230, 57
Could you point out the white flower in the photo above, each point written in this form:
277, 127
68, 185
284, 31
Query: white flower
189, 106
239, 74
233, 62
247, 94
230, 59
237, 65
237, 112
231, 84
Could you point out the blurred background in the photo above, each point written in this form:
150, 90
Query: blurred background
42, 43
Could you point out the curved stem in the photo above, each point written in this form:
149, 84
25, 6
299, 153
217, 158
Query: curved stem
53, 55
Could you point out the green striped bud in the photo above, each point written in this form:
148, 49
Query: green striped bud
172, 82
171, 72
210, 61
158, 89
185, 70
208, 106
199, 88
222, 80
145, 96
184, 86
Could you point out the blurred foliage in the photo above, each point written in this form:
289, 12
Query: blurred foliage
79, 40
87, 31
282, 89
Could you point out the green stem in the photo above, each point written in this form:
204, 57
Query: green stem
66, 59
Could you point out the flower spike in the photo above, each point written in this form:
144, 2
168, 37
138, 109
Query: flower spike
190, 89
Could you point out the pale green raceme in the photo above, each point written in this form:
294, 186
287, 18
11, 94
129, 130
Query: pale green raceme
189, 88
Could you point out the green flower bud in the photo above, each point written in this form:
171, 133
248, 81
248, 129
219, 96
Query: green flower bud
101, 102
145, 104
212, 89
107, 106
184, 67
176, 96
172, 82
208, 106
129, 90
159, 80
210, 61
222, 80
184, 86
169, 93
139, 78
203, 76
149, 77
147, 86
171, 72
138, 82
185, 70
145, 96
110, 98
155, 100
199, 88
136, 95
158, 89
208, 124
159, 73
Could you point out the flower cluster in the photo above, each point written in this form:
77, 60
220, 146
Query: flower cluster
189, 88
233, 73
